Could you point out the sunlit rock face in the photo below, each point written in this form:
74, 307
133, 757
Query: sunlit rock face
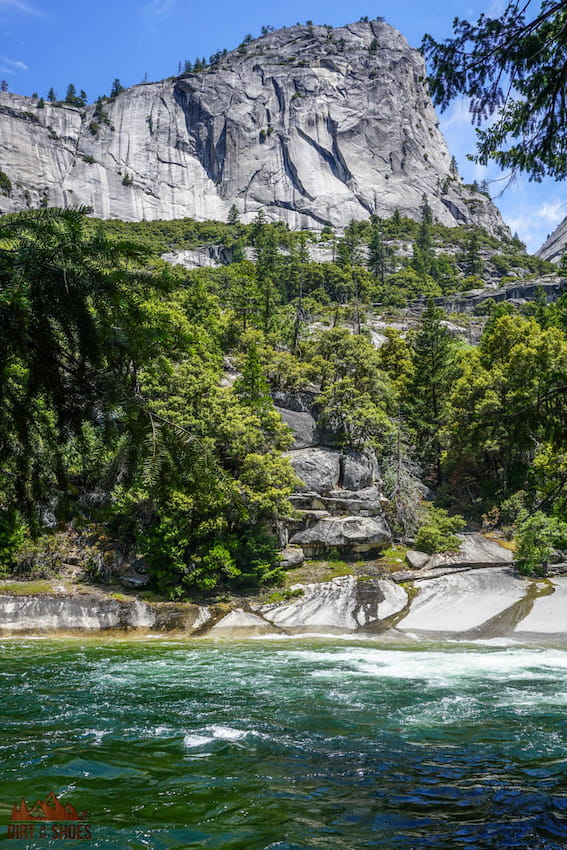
555, 244
314, 126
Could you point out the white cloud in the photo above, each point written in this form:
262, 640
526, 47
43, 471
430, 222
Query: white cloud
13, 64
19, 6
533, 222
552, 212
457, 116
155, 9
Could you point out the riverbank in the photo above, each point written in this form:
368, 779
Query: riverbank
465, 604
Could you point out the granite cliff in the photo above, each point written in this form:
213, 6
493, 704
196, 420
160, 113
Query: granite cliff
555, 244
315, 126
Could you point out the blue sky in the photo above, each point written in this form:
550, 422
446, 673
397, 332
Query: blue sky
46, 43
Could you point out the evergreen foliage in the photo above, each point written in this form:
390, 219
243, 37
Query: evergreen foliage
512, 67
115, 408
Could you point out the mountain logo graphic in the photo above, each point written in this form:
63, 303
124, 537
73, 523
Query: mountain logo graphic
50, 809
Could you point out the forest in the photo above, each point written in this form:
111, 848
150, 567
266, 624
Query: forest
121, 433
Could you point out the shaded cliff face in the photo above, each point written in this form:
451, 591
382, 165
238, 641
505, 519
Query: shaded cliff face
315, 126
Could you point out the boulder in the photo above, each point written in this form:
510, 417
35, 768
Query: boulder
367, 502
319, 469
358, 470
346, 502
135, 580
303, 426
417, 560
350, 534
475, 551
345, 604
291, 556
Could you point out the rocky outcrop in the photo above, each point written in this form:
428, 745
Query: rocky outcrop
303, 426
464, 604
548, 614
461, 603
514, 293
240, 623
555, 245
330, 517
475, 551
90, 612
314, 126
345, 604
52, 613
339, 505
351, 535
319, 469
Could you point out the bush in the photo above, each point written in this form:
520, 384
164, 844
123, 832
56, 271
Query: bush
438, 532
12, 535
5, 184
537, 538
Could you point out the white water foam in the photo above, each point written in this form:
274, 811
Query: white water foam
217, 732
437, 667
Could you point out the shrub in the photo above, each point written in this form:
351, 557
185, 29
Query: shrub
5, 184
537, 538
438, 532
12, 535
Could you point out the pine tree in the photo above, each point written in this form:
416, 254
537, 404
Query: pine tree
473, 264
233, 215
433, 350
378, 252
51, 95
267, 265
252, 388
71, 95
117, 88
349, 248
424, 260
349, 255
395, 223
300, 258
510, 69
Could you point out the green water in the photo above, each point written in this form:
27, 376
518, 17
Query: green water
288, 745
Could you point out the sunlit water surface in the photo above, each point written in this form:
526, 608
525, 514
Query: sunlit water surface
289, 744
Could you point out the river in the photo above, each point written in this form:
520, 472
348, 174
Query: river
288, 744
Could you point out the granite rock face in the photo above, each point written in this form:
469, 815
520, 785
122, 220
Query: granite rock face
319, 469
314, 126
342, 605
351, 534
554, 245
50, 613
466, 603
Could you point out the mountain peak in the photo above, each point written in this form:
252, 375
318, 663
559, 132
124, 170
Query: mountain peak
316, 126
